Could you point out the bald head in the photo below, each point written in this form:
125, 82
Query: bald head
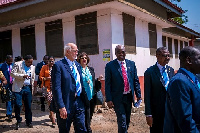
120, 52
190, 59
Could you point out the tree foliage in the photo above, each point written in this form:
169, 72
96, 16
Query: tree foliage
180, 20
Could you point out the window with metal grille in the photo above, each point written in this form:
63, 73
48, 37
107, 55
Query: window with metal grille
28, 47
5, 44
176, 47
54, 38
164, 41
87, 33
129, 33
152, 38
170, 46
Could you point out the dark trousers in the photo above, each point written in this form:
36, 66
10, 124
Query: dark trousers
9, 104
42, 99
26, 95
158, 123
77, 115
123, 112
88, 115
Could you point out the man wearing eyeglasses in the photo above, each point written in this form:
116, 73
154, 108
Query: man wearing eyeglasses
68, 93
156, 80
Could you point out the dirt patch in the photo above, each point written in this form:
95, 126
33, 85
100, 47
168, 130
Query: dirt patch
104, 121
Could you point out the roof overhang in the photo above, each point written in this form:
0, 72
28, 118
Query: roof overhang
182, 30
119, 5
174, 10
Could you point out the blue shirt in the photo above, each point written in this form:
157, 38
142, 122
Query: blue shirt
78, 75
27, 81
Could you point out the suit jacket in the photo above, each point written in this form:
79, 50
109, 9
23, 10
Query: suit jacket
114, 83
182, 113
18, 72
38, 68
6, 73
37, 71
155, 92
64, 85
96, 83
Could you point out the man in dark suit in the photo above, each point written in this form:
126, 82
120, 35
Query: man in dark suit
182, 111
155, 90
6, 69
121, 81
37, 72
68, 93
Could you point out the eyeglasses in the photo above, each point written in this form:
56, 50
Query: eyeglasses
75, 51
84, 58
51, 61
165, 55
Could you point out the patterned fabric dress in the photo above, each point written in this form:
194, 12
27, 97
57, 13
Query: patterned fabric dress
49, 94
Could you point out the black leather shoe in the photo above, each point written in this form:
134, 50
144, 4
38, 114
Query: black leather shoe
10, 117
30, 125
17, 126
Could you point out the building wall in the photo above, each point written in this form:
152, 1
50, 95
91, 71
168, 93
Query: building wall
110, 34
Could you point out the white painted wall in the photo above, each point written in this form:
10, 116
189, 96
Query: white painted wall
69, 30
40, 42
110, 34
16, 42
104, 41
174, 62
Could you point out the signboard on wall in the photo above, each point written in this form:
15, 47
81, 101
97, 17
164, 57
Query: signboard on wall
106, 55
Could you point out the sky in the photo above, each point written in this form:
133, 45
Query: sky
193, 13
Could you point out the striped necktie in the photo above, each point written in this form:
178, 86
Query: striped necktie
78, 87
165, 77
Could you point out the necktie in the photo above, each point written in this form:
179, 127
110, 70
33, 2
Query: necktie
197, 82
124, 74
10, 75
78, 87
165, 77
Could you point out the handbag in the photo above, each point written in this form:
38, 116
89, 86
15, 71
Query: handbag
40, 91
7, 94
99, 98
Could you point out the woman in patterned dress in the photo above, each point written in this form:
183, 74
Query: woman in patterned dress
45, 77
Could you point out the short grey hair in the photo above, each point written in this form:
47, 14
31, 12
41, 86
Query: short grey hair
67, 47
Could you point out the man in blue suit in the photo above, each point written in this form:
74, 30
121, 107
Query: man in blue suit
182, 111
68, 93
6, 69
121, 81
155, 89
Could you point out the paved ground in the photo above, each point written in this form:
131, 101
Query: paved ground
104, 121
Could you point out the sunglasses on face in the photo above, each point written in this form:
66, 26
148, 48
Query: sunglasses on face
51, 61
84, 58
165, 55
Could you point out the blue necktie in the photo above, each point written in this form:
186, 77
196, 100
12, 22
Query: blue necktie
197, 82
165, 77
78, 87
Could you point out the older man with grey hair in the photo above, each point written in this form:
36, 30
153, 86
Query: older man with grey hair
69, 95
